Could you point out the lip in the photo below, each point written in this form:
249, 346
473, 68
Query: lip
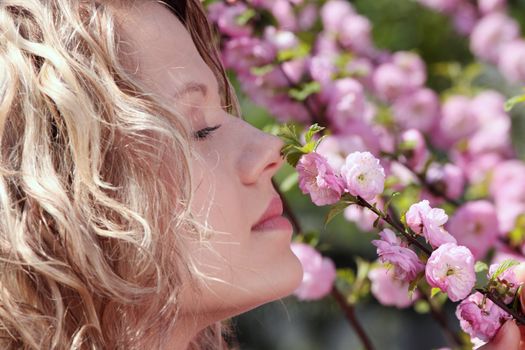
272, 218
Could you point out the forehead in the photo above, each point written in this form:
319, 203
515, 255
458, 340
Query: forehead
158, 48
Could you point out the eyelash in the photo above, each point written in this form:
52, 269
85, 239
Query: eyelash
204, 133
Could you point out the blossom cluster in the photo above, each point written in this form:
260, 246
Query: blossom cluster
494, 35
375, 104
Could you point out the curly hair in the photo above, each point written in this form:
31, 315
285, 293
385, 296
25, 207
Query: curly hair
86, 260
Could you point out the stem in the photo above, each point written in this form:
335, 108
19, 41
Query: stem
518, 316
339, 298
350, 316
397, 226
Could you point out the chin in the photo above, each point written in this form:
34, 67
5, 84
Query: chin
286, 276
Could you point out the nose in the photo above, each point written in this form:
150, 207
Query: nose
261, 158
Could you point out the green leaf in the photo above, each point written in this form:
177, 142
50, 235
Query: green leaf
336, 210
312, 130
517, 235
293, 158
261, 70
289, 135
513, 101
305, 90
480, 266
504, 266
434, 292
299, 51
244, 17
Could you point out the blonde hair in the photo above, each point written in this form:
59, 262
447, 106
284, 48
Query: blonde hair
86, 260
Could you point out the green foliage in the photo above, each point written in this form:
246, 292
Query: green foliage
434, 291
245, 17
305, 90
510, 103
504, 266
517, 235
300, 51
293, 149
480, 266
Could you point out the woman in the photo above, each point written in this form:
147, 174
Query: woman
137, 212
118, 159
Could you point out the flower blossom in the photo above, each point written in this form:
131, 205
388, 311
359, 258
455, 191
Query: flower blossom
451, 269
388, 290
318, 179
475, 225
318, 273
480, 317
391, 249
423, 219
363, 174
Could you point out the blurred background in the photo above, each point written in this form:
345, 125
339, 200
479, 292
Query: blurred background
289, 324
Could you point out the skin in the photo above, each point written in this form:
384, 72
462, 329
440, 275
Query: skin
235, 164
232, 171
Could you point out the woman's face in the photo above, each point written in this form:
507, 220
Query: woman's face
245, 265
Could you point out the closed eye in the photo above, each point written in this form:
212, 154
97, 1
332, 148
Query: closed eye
204, 133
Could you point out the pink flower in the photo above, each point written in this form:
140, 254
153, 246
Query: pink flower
414, 149
363, 174
488, 6
318, 273
507, 183
354, 33
391, 249
448, 178
511, 61
243, 53
451, 269
475, 225
322, 67
489, 35
317, 179
334, 12
226, 18
480, 317
390, 82
413, 67
388, 290
417, 110
280, 39
427, 221
465, 17
458, 120
346, 102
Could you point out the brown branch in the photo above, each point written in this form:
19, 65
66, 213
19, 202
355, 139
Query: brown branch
397, 226
350, 316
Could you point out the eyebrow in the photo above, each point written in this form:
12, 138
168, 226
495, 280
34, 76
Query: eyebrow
191, 87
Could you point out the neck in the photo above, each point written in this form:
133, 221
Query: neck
186, 329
